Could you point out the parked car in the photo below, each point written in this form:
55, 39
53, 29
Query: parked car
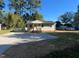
69, 28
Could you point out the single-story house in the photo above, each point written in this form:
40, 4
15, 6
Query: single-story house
41, 26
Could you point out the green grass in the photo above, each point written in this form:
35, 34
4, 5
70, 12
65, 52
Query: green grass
68, 44
65, 38
4, 31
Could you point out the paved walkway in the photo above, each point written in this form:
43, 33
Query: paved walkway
7, 40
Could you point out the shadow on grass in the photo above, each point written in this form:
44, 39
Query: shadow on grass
72, 52
29, 50
66, 46
41, 49
32, 36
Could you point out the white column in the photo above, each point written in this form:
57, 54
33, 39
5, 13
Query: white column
54, 26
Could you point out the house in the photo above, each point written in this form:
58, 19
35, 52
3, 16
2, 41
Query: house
40, 26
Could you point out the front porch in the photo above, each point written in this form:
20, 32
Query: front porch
40, 26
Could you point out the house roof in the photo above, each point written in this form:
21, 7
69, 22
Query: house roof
39, 22
36, 21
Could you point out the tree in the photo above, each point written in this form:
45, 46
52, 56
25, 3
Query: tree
21, 6
26, 17
25, 8
1, 10
14, 21
66, 18
58, 25
76, 18
1, 4
33, 5
18, 5
37, 16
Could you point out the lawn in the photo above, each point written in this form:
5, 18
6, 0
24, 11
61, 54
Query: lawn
66, 45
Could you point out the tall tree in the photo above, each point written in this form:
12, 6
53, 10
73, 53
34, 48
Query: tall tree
18, 5
66, 18
58, 25
1, 10
33, 5
21, 6
14, 21
26, 17
1, 4
37, 16
76, 18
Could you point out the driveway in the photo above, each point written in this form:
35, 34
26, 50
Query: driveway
14, 38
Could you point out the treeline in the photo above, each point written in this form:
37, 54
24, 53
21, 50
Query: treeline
20, 11
69, 18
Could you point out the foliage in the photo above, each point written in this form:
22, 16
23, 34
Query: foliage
37, 16
1, 10
1, 4
21, 6
20, 23
33, 5
26, 17
76, 18
14, 21
58, 24
25, 8
66, 17
18, 5
68, 25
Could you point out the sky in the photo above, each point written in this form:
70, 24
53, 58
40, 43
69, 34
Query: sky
52, 9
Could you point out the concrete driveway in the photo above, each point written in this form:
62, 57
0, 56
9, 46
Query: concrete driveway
14, 38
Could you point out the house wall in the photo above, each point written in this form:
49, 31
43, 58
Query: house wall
49, 29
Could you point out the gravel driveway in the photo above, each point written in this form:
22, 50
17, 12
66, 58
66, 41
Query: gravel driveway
14, 38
